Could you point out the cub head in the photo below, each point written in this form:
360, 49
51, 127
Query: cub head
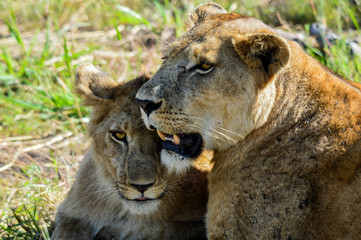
125, 152
215, 86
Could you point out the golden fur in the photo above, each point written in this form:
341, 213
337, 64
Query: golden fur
104, 201
286, 130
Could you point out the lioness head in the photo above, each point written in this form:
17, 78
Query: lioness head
126, 153
215, 85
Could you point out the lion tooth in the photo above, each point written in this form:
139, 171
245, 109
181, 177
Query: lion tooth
172, 138
168, 138
176, 139
161, 135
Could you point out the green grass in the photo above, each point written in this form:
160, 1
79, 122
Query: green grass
42, 43
27, 221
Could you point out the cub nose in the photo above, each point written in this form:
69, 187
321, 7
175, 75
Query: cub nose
148, 106
142, 188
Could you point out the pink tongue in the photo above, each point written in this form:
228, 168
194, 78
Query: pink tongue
142, 198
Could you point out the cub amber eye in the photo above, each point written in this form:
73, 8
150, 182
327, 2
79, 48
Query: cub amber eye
118, 136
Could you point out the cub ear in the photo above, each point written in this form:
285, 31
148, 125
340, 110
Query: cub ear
203, 11
93, 85
262, 50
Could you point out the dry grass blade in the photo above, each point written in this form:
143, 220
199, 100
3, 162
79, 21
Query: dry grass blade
48, 143
19, 138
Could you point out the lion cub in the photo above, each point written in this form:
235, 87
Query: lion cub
121, 190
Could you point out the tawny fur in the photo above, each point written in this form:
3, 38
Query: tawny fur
101, 203
286, 130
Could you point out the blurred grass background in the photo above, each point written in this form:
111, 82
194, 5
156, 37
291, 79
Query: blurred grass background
42, 122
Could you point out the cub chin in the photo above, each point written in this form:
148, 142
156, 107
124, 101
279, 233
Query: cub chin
121, 190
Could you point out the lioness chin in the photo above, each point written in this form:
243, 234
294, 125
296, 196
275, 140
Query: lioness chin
121, 190
286, 130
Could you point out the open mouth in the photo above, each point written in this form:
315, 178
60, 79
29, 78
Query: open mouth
186, 145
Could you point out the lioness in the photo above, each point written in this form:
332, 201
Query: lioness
286, 130
121, 190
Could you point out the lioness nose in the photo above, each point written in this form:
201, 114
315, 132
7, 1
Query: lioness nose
142, 188
148, 106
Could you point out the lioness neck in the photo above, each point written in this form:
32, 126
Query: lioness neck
288, 167
314, 103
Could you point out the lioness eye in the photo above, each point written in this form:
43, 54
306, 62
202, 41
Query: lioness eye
204, 68
118, 136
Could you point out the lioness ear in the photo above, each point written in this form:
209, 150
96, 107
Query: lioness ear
93, 85
205, 10
263, 50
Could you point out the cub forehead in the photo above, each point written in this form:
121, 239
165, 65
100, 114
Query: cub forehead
125, 104
128, 120
121, 122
